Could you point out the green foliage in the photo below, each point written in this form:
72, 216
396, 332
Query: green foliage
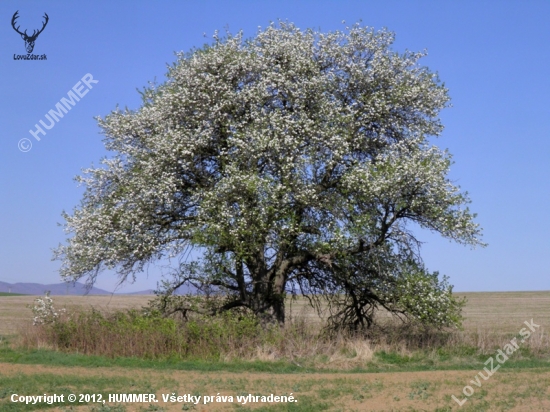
129, 333
149, 335
226, 327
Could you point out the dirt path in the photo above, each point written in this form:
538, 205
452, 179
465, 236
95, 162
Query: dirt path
526, 390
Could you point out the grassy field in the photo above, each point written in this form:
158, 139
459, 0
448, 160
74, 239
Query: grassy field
15, 312
507, 390
388, 381
504, 312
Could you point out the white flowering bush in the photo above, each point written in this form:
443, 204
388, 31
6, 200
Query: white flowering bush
294, 160
426, 299
44, 311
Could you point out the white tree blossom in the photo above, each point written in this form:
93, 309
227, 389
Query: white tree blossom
295, 159
44, 311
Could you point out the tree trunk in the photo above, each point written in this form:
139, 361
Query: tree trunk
270, 309
268, 301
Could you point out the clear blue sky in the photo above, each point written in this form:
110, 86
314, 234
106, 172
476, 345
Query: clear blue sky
494, 56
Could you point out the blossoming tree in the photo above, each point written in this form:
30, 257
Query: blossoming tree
295, 161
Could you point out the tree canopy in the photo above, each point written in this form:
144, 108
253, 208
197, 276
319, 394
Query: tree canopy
297, 162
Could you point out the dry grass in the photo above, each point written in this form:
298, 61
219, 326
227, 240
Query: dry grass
504, 312
491, 320
14, 310
496, 312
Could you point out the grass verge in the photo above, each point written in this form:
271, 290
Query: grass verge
65, 384
382, 362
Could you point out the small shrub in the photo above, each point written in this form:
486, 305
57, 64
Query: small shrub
44, 311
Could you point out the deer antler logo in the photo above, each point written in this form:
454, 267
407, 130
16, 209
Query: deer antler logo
29, 40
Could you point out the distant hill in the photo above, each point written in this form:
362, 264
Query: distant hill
57, 289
